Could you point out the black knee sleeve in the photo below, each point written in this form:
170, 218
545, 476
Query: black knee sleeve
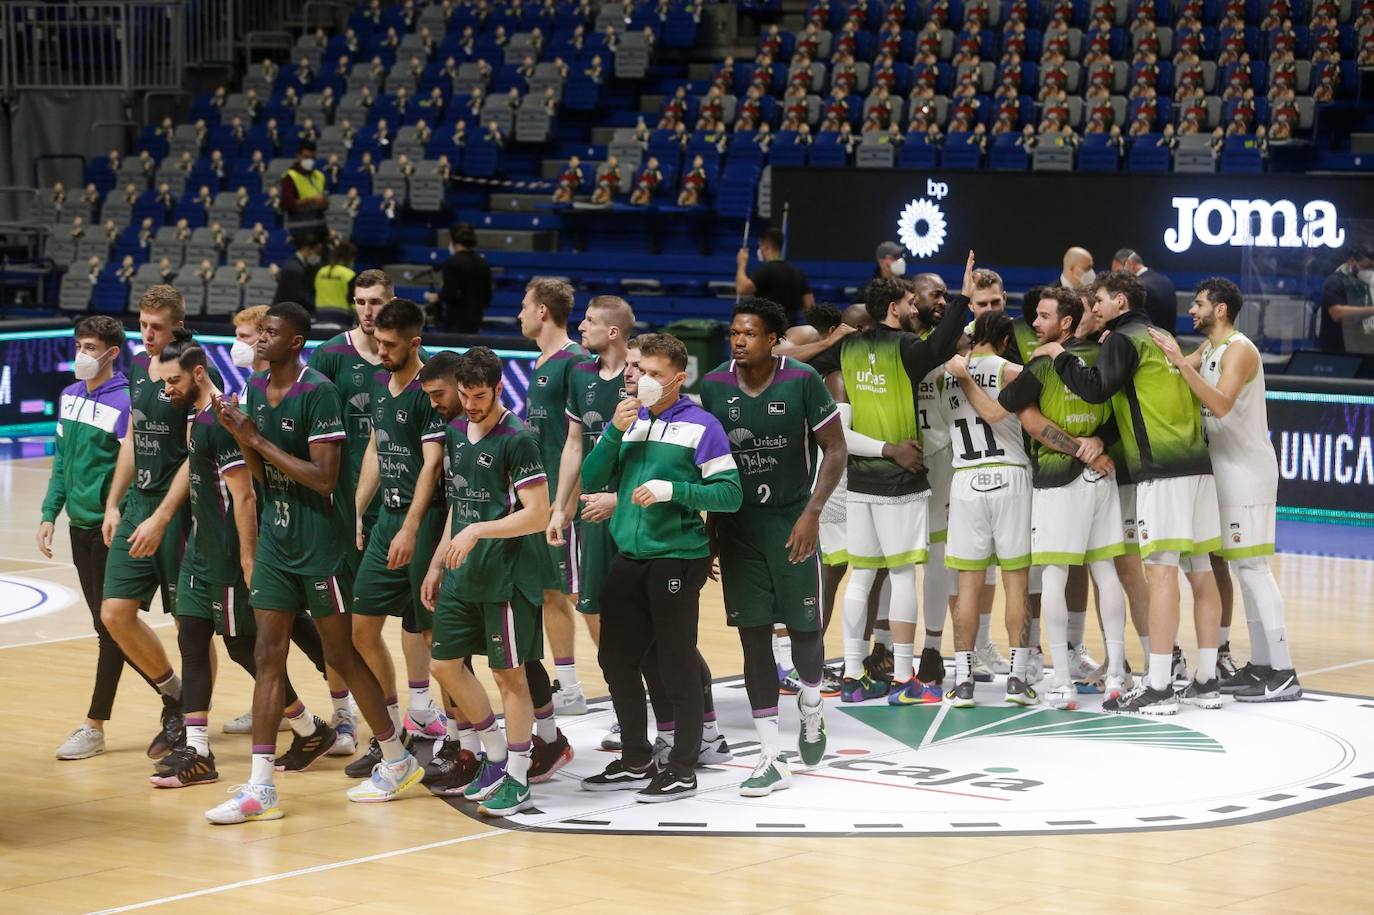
760, 672
193, 639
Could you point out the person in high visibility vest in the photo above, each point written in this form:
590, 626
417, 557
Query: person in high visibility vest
304, 195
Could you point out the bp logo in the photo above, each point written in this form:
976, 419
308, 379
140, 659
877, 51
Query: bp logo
993, 770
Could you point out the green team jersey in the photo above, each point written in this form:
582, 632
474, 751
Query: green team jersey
1026, 341
402, 423
882, 369
299, 530
484, 480
1157, 416
546, 402
212, 549
159, 428
771, 434
339, 360
592, 401
1039, 385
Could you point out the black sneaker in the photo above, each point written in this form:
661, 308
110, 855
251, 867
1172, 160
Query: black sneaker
932, 669
363, 765
619, 777
880, 664
1246, 677
171, 735
1144, 701
667, 785
1226, 664
305, 750
442, 762
1279, 686
458, 776
546, 758
184, 767
1202, 695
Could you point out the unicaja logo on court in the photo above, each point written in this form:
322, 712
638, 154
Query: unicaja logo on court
921, 227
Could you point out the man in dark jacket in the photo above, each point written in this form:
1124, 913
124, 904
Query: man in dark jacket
296, 278
466, 291
1161, 299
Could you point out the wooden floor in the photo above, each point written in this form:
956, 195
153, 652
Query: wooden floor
82, 836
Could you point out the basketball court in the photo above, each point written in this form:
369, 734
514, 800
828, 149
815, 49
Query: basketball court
1263, 808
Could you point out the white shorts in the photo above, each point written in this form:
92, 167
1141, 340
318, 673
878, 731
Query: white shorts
1076, 523
1125, 495
887, 534
1178, 515
989, 519
939, 469
834, 543
1247, 531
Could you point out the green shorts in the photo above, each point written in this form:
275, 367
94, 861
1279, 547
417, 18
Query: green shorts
127, 578
291, 592
379, 591
508, 632
563, 560
761, 585
227, 606
594, 563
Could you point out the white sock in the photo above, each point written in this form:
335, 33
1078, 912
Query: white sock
767, 727
518, 761
493, 741
393, 751
1280, 658
422, 710
1019, 657
854, 652
984, 629
546, 728
1077, 623
1259, 641
782, 651
1226, 636
393, 711
1054, 610
1264, 601
854, 616
963, 666
566, 674
1033, 638
902, 668
883, 637
261, 772
198, 738
1161, 671
1206, 665
451, 729
343, 705
1116, 658
810, 694
468, 739
709, 731
1059, 653
302, 724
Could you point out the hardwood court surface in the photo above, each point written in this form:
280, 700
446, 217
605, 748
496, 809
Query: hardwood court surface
89, 835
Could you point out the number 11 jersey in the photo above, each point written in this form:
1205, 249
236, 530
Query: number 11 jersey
974, 441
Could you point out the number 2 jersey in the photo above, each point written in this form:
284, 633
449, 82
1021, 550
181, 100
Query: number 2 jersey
975, 442
771, 433
299, 530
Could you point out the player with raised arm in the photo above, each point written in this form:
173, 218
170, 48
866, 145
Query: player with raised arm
1227, 376
292, 436
774, 410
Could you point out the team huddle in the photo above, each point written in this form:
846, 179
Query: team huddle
928, 430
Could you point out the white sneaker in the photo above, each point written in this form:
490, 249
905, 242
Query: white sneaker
1062, 696
83, 743
249, 803
1035, 666
243, 724
769, 775
345, 726
1115, 687
388, 780
612, 739
570, 700
991, 659
714, 750
1081, 664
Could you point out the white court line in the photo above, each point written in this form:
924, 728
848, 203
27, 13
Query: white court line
304, 871
72, 638
1327, 670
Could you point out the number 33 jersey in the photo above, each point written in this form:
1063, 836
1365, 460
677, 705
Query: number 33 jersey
975, 442
299, 531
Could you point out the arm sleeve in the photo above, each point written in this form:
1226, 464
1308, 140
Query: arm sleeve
859, 445
56, 498
599, 467
1023, 392
325, 414
1116, 363
720, 489
526, 463
922, 356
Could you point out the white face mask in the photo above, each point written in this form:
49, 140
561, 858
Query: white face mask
1367, 277
308, 164
650, 390
242, 354
898, 267
85, 366
1087, 278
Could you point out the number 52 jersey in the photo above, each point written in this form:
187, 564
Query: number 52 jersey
299, 532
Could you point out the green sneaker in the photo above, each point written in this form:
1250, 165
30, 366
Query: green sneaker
771, 774
510, 798
487, 780
811, 735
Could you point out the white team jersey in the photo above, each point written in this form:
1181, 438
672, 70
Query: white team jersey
934, 433
1243, 461
975, 442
